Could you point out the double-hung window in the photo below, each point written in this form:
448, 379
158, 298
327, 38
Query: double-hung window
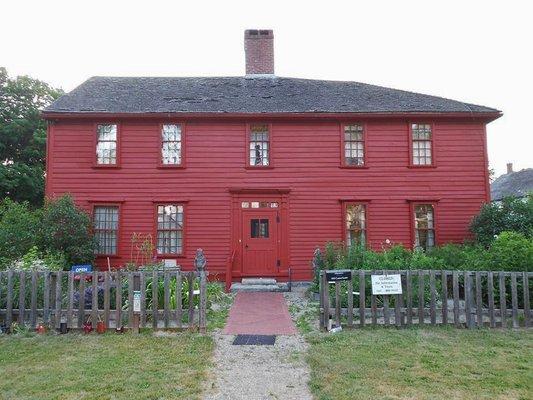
422, 144
354, 145
424, 223
355, 223
259, 146
105, 226
106, 144
169, 229
171, 145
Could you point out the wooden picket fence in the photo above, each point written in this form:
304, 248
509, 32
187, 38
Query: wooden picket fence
429, 297
169, 299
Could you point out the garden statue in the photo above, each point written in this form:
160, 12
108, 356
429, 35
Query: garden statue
199, 261
317, 260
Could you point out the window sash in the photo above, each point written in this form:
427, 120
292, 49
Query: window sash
106, 146
105, 227
354, 145
424, 220
355, 222
259, 146
422, 146
169, 229
171, 144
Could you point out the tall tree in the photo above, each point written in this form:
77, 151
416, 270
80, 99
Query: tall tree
23, 137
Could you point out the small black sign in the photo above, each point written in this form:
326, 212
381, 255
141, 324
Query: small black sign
339, 275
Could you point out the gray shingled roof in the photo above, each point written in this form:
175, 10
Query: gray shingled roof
517, 184
247, 95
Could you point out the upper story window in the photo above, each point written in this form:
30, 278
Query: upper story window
259, 145
354, 145
355, 224
105, 224
171, 144
422, 147
169, 229
106, 145
424, 226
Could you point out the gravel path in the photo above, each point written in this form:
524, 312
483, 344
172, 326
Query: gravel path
260, 372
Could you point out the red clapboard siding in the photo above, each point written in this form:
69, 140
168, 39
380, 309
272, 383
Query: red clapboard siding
306, 159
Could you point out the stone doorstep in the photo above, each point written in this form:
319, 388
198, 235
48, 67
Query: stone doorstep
259, 281
278, 287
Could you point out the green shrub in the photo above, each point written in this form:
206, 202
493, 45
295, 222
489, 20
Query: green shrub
66, 229
511, 251
513, 215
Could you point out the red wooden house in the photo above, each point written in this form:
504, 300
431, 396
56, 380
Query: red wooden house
260, 170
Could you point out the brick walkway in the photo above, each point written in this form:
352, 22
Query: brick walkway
259, 314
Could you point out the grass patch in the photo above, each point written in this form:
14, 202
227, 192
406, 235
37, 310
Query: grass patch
106, 366
440, 363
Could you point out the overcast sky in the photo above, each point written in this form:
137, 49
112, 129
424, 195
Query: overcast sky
474, 51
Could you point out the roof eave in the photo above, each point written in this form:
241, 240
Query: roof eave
474, 116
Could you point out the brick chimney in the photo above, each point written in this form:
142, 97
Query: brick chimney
509, 168
259, 51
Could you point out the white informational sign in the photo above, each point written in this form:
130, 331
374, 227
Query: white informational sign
386, 284
137, 301
171, 264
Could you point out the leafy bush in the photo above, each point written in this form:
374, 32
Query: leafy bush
513, 215
66, 229
511, 251
58, 235
18, 225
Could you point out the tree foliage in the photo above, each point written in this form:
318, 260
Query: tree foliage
512, 215
23, 137
18, 230
66, 229
57, 233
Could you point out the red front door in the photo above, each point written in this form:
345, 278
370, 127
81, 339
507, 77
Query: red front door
260, 242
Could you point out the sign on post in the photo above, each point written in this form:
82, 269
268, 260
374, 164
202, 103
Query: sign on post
81, 268
339, 275
137, 301
170, 264
386, 284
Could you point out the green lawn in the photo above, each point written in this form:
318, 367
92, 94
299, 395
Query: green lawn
106, 366
422, 364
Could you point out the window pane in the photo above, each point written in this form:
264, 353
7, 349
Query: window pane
421, 137
355, 223
259, 228
106, 146
424, 227
169, 229
107, 132
105, 225
259, 145
171, 144
354, 145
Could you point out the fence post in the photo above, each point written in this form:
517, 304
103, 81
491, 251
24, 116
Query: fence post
9, 299
514, 300
203, 302
81, 301
469, 296
325, 300
22, 297
136, 314
58, 299
362, 298
525, 289
503, 301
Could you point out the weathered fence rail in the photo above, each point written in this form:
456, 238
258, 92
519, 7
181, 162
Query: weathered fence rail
169, 299
429, 297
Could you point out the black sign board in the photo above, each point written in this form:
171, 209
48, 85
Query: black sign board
339, 275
